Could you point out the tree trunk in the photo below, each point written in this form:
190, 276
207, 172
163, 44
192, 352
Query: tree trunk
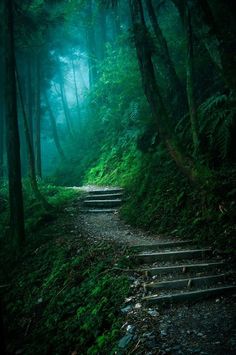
30, 98
91, 47
30, 152
12, 131
190, 81
1, 142
214, 24
175, 89
2, 332
54, 129
220, 16
38, 119
76, 91
64, 102
103, 31
163, 120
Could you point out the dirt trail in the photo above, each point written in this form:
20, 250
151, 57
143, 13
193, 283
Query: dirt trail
207, 327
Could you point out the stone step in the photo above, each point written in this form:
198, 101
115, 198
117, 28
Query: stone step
104, 196
106, 191
184, 268
102, 203
187, 282
190, 296
149, 258
164, 245
101, 210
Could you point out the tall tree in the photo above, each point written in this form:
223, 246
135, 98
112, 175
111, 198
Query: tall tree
30, 151
91, 45
152, 92
190, 80
38, 117
1, 140
54, 128
76, 90
214, 24
12, 132
175, 88
64, 101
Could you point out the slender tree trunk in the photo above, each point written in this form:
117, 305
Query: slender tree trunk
175, 89
220, 16
163, 120
1, 141
116, 19
91, 47
38, 119
190, 81
214, 24
103, 29
54, 129
76, 91
30, 98
64, 102
12, 132
2, 332
30, 152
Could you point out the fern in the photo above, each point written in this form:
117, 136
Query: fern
216, 117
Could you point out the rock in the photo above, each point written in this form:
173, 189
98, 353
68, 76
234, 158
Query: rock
124, 342
138, 305
130, 329
163, 333
147, 334
126, 309
200, 334
153, 312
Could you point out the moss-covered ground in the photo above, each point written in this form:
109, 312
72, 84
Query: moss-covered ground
61, 294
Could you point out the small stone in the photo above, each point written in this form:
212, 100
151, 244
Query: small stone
147, 334
124, 342
163, 333
128, 299
138, 305
126, 309
153, 312
130, 328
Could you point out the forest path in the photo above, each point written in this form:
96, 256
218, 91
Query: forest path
205, 327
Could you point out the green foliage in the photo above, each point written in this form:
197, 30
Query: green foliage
217, 117
35, 214
64, 296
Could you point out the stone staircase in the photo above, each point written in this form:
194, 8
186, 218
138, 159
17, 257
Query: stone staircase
103, 201
180, 271
173, 271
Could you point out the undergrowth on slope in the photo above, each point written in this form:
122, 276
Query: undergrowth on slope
35, 213
161, 199
61, 293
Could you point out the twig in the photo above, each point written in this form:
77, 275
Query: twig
135, 348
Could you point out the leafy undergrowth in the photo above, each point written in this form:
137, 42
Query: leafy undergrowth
62, 294
161, 199
35, 213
